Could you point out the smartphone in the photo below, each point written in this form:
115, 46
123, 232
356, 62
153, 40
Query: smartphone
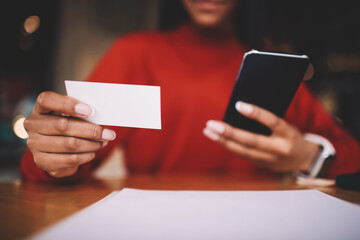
268, 80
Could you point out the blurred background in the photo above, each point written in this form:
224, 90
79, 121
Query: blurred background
44, 43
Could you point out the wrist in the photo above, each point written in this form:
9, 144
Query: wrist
313, 151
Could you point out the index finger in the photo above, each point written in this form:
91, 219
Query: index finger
270, 120
53, 102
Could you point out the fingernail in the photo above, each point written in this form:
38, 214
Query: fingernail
210, 134
108, 134
105, 143
244, 107
216, 126
84, 110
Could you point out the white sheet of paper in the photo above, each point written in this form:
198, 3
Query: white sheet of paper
146, 214
123, 105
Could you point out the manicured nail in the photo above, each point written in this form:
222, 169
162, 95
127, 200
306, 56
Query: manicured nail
216, 126
108, 134
105, 143
84, 110
244, 107
210, 134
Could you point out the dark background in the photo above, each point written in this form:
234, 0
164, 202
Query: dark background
73, 35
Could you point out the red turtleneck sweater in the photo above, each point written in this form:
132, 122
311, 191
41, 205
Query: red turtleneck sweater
196, 76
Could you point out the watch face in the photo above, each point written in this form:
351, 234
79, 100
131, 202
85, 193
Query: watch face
325, 166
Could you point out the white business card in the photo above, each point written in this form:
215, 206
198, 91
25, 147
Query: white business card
124, 105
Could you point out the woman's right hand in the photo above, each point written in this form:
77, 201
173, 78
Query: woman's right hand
59, 139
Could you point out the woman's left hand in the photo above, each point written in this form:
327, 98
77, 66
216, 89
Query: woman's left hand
285, 150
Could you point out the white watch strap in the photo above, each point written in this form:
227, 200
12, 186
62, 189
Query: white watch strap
327, 151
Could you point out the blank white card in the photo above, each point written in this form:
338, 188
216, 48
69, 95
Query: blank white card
123, 105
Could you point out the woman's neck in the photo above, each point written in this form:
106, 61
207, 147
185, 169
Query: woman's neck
215, 33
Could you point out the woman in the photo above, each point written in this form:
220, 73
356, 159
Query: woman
195, 65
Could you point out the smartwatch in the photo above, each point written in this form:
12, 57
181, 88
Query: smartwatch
323, 160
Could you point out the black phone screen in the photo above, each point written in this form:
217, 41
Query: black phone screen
268, 80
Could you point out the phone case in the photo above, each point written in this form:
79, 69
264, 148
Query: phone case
268, 80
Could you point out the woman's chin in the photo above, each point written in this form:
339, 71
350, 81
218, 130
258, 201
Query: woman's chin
207, 22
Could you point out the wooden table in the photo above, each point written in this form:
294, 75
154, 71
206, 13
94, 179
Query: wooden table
26, 208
